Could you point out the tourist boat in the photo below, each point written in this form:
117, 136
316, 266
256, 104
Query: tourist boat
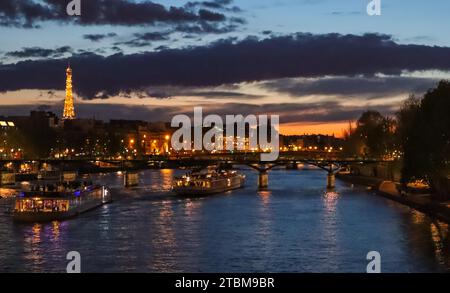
54, 202
418, 186
211, 181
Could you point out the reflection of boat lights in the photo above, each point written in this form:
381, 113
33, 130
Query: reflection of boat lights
438, 239
105, 192
331, 196
330, 200
36, 233
417, 217
55, 229
265, 196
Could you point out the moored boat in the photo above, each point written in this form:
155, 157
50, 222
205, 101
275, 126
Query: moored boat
44, 203
208, 182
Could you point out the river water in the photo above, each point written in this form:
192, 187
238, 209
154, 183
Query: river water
294, 226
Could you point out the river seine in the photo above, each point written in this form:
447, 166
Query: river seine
294, 226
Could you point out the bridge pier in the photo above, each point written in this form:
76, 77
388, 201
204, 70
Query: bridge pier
263, 174
263, 180
331, 180
332, 168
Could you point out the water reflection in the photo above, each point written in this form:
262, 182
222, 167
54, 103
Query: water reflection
329, 229
55, 230
36, 234
264, 230
330, 200
162, 180
164, 238
166, 178
166, 211
192, 208
439, 233
294, 226
264, 195
32, 249
418, 217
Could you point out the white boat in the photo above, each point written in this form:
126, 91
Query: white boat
208, 182
45, 203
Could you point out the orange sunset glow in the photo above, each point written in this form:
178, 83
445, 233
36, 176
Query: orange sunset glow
337, 129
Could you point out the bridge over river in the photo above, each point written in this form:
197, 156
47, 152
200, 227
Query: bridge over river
331, 162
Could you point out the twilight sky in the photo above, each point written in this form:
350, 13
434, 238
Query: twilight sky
316, 63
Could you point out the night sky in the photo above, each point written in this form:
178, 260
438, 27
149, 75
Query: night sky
316, 63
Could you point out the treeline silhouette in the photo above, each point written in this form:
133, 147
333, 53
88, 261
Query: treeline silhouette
418, 136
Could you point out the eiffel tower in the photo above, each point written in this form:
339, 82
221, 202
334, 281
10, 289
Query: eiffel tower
69, 111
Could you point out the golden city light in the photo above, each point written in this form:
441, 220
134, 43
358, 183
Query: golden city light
69, 111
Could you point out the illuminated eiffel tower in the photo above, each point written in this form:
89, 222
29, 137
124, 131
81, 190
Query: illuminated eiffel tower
69, 111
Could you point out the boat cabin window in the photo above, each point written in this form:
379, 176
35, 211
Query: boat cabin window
42, 205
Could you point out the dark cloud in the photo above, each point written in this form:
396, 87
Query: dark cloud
116, 49
23, 13
98, 37
229, 61
191, 36
38, 52
225, 95
162, 48
202, 27
225, 5
29, 13
206, 28
210, 16
323, 112
319, 112
153, 36
94, 37
363, 87
204, 92
145, 39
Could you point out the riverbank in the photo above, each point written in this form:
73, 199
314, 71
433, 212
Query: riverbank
388, 189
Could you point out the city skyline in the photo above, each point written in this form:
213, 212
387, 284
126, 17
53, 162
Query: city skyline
227, 56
